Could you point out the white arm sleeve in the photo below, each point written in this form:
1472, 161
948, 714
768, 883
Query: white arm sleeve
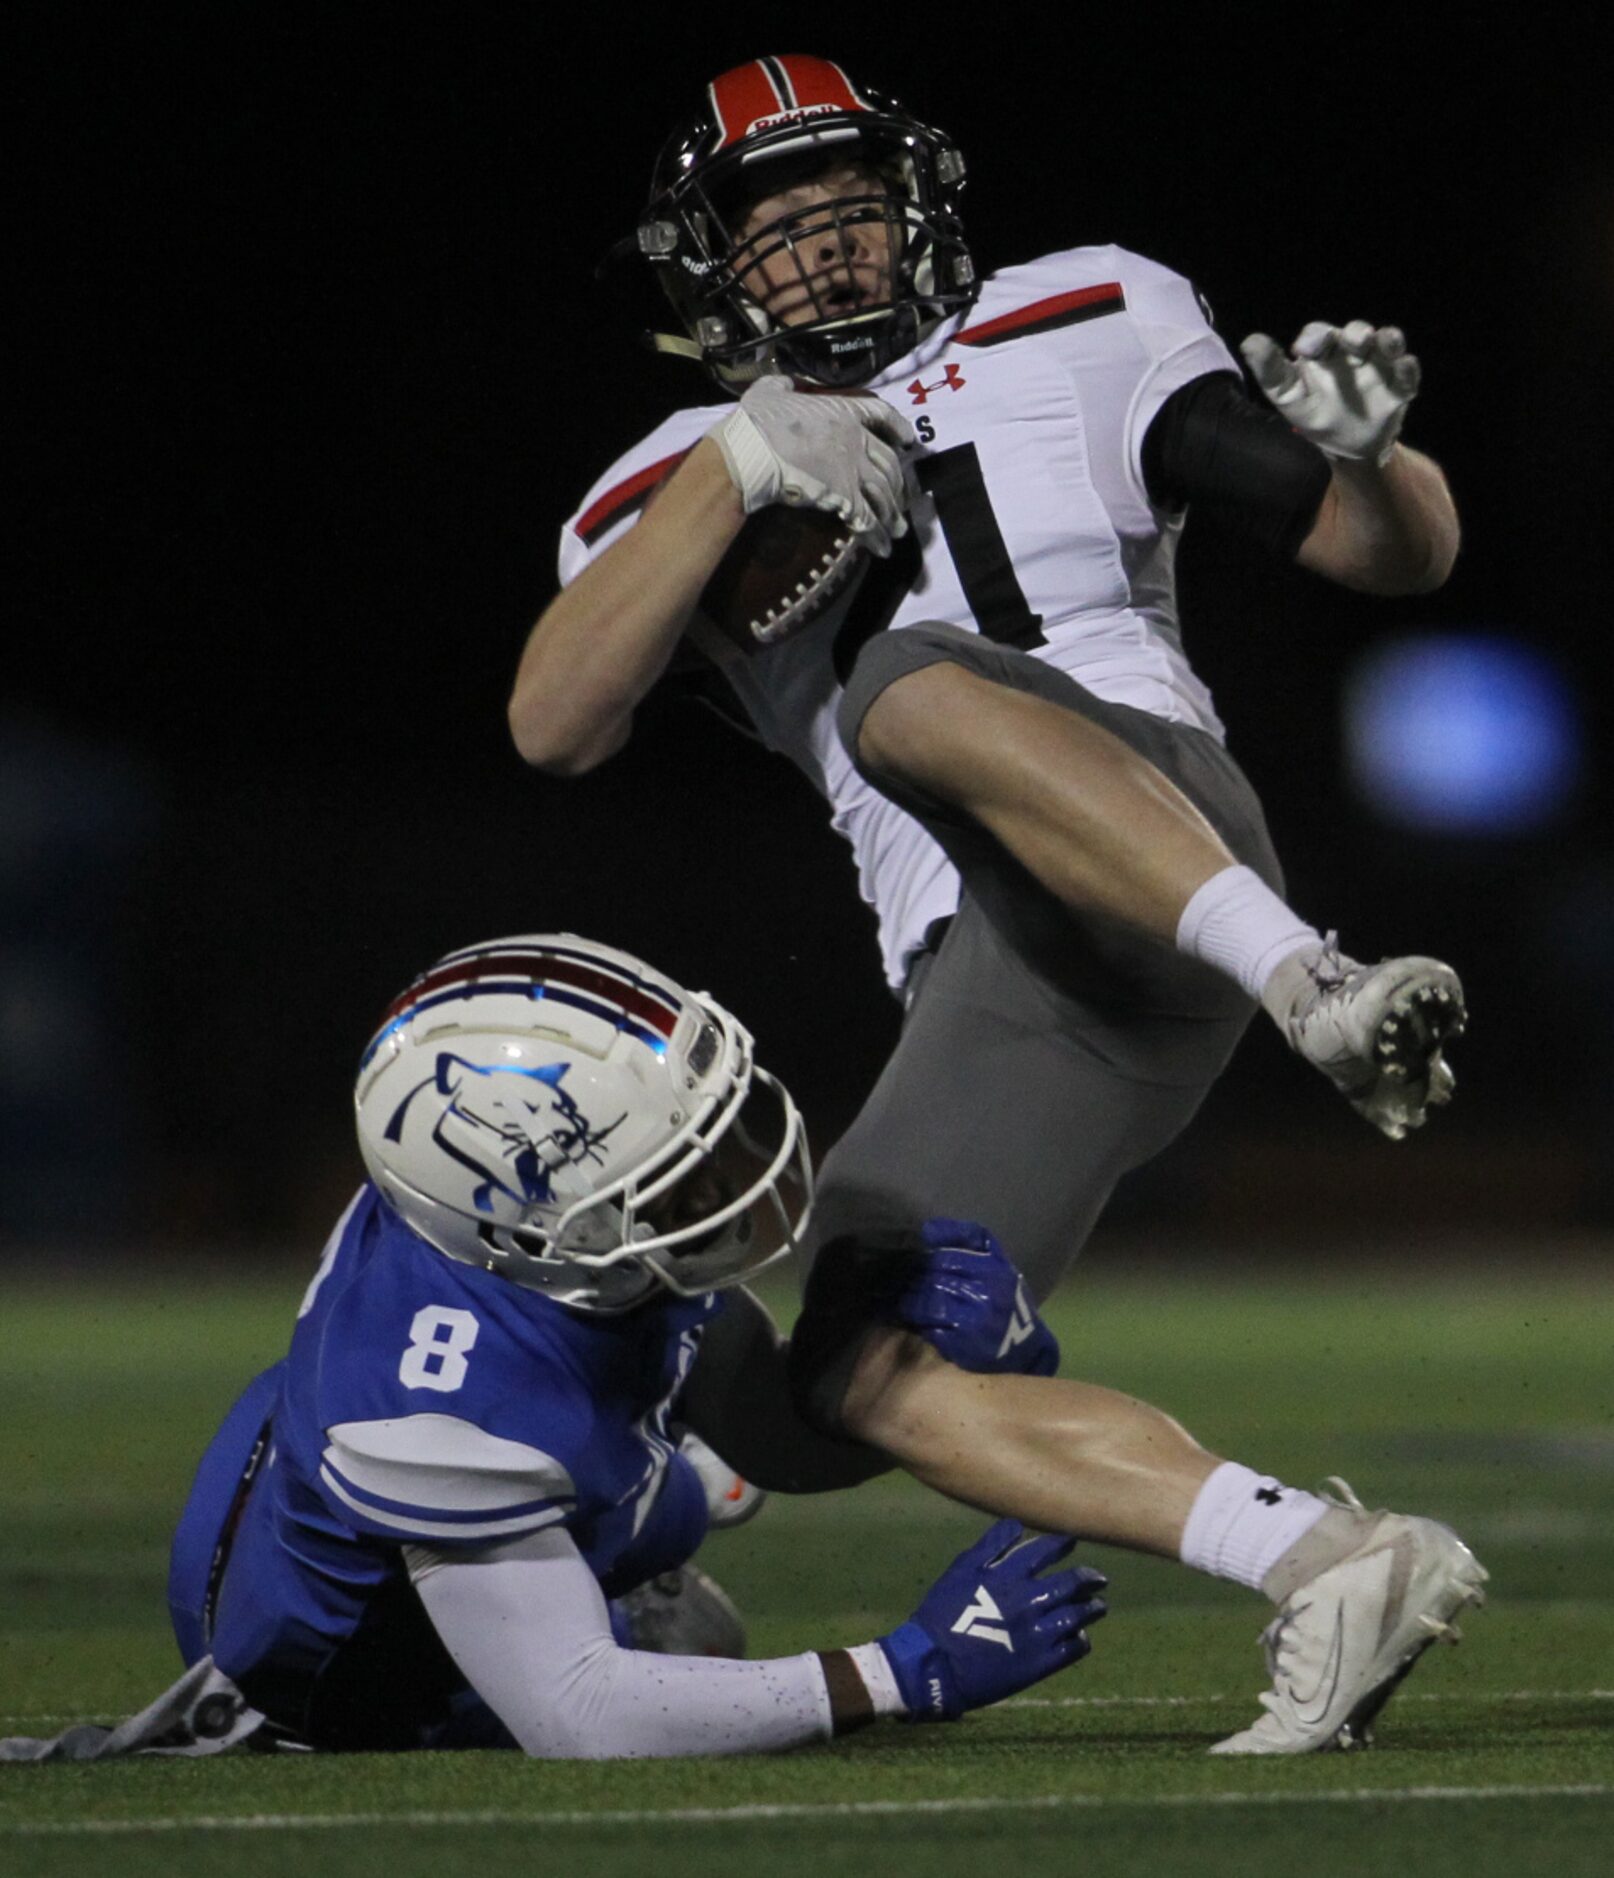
528, 1624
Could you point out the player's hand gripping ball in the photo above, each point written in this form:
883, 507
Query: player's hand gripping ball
824, 486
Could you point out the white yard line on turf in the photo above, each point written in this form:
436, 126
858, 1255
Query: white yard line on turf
1066, 1701
741, 1815
1198, 1701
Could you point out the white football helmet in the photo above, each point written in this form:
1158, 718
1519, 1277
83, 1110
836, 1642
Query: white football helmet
558, 1112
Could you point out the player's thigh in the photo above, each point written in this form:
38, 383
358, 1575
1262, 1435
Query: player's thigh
1142, 1006
1195, 761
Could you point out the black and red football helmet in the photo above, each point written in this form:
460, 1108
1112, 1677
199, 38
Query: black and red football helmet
764, 127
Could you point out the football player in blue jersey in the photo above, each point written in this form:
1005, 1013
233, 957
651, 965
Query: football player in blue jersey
410, 1531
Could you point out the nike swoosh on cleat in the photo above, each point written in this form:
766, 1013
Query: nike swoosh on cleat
1309, 1709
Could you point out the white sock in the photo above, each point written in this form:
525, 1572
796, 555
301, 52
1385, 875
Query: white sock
1243, 1523
1238, 924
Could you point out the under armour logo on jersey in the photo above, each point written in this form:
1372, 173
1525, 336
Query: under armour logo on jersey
1022, 1324
952, 380
972, 1622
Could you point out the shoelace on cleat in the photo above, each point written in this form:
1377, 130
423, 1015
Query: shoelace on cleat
1328, 971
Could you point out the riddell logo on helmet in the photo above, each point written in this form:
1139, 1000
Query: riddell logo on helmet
791, 117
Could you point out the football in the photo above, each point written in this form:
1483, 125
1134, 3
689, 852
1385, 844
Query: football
783, 569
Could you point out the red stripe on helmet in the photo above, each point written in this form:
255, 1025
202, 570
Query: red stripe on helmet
543, 968
740, 97
819, 82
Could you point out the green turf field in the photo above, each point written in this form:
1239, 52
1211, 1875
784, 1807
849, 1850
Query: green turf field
1486, 1399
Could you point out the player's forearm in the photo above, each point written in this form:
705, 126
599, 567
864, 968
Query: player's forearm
604, 641
528, 1627
1385, 531
636, 1705
633, 1705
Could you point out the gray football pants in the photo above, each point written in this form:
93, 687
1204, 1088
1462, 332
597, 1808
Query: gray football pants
1043, 1055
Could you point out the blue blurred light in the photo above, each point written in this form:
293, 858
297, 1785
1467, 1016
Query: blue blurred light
1470, 733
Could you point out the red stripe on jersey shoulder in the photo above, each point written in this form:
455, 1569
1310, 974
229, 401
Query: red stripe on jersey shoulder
819, 82
740, 97
633, 492
1061, 309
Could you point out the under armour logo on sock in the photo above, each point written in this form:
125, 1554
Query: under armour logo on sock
1268, 1496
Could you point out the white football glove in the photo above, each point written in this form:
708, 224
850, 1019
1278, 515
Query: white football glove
1347, 388
812, 451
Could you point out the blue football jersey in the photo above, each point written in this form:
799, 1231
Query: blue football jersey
426, 1401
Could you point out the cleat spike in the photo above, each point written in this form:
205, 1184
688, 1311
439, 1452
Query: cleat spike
1377, 1031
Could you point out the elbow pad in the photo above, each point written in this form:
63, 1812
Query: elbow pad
1211, 445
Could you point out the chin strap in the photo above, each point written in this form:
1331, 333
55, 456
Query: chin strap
732, 378
679, 348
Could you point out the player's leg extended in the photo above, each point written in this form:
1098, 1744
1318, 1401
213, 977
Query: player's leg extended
1123, 1036
1019, 1102
1360, 1594
1075, 790
1019, 1105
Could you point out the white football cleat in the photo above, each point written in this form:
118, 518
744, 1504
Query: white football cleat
1344, 1639
730, 1498
684, 1613
1377, 1032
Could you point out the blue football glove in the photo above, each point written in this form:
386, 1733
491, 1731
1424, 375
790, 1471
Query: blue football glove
990, 1627
970, 1304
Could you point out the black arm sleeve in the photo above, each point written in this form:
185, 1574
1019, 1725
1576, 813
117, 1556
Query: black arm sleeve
1211, 445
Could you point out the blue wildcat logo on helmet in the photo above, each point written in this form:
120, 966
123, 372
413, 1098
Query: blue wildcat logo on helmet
512, 1134
559, 1113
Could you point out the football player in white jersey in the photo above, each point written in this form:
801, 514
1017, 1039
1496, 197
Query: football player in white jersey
1078, 899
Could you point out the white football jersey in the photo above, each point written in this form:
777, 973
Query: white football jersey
1033, 527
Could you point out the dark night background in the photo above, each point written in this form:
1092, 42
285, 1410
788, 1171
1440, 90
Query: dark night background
316, 363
